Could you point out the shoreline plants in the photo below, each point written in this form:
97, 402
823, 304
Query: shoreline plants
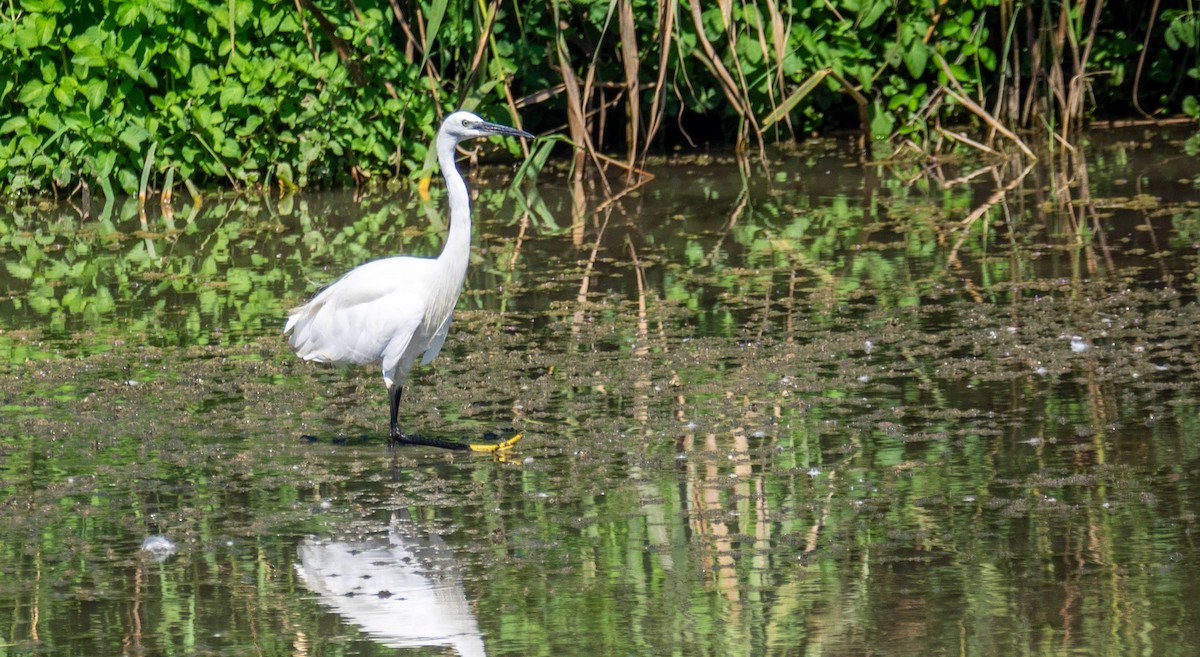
124, 95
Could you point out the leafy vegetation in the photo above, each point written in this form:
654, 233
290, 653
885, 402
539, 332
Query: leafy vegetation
268, 93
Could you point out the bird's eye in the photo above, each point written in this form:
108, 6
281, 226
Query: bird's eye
466, 123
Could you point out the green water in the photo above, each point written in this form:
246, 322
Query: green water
826, 409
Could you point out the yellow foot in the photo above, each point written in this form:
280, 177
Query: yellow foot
502, 446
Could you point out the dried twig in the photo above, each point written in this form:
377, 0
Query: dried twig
666, 13
974, 108
631, 60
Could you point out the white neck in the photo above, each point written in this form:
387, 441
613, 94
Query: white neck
457, 249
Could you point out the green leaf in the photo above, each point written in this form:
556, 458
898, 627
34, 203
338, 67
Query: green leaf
203, 116
283, 171
1181, 32
873, 13
957, 70
129, 66
94, 35
62, 173
1191, 107
252, 124
882, 122
1170, 35
437, 11
987, 58
127, 13
270, 21
14, 124
128, 181
77, 121
49, 120
26, 34
43, 6
200, 79
916, 56
64, 95
92, 57
19, 270
104, 165
96, 90
183, 58
48, 70
88, 47
232, 93
45, 27
34, 93
132, 136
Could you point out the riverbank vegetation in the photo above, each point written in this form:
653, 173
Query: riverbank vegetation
136, 95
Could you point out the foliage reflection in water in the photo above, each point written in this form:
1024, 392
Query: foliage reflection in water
825, 411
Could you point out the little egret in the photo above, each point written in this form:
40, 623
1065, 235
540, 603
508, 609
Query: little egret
390, 311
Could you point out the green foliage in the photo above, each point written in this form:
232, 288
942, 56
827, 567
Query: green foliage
244, 91
1182, 38
317, 93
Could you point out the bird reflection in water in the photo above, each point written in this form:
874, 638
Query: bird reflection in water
402, 589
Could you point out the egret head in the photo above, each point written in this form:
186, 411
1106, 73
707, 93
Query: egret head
462, 125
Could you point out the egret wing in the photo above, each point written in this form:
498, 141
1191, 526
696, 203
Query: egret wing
368, 311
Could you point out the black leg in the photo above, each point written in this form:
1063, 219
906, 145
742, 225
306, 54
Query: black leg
396, 436
394, 433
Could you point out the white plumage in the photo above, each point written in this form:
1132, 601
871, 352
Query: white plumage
378, 313
395, 310
404, 590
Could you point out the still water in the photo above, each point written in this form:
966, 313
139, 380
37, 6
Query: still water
822, 409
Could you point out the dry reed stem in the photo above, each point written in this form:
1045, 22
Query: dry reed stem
515, 116
307, 33
963, 139
1137, 72
864, 118
410, 41
434, 85
1079, 85
485, 35
1069, 37
540, 96
632, 62
713, 63
991, 121
779, 34
783, 109
589, 89
743, 88
576, 123
978, 111
666, 12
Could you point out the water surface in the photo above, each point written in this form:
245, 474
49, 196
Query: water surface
827, 409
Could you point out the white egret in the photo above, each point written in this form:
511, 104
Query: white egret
393, 310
